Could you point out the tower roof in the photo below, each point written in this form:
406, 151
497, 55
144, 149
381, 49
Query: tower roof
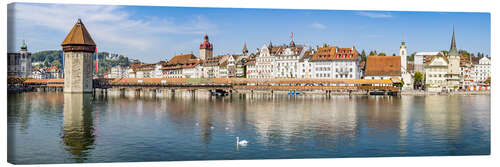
453, 47
245, 50
24, 46
206, 44
78, 36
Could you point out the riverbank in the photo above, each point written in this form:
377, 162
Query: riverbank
424, 93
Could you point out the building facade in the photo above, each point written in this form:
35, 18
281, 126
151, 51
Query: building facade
482, 70
19, 64
421, 60
436, 73
264, 63
335, 62
287, 61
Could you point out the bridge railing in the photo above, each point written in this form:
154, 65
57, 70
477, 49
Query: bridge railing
364, 84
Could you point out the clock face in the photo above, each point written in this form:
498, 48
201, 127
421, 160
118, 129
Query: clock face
209, 53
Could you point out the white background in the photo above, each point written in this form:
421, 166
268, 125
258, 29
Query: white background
392, 5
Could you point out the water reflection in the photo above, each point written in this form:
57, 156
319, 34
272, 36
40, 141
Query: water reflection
158, 129
78, 131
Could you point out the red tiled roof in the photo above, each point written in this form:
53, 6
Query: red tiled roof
181, 59
307, 55
383, 66
189, 64
78, 36
335, 53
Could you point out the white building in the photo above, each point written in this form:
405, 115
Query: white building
251, 71
118, 72
435, 74
481, 70
305, 66
420, 60
211, 67
183, 66
334, 62
287, 61
264, 63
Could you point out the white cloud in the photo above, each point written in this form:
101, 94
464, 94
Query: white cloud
317, 25
375, 14
111, 27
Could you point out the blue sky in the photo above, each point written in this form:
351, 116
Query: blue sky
157, 33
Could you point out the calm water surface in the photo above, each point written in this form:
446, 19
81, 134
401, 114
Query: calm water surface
67, 128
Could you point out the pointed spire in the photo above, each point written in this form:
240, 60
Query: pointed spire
206, 37
453, 43
453, 49
403, 39
245, 50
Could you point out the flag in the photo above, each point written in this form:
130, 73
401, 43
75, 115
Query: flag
62, 60
96, 60
291, 36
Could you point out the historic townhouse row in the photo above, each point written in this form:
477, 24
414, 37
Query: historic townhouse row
450, 72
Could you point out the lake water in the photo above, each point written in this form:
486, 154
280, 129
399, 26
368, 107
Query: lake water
55, 127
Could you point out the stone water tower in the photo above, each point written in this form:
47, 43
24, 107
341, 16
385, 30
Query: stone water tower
79, 49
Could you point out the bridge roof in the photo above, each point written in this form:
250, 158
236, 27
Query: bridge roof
44, 81
226, 81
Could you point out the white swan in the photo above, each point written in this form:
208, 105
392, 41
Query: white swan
242, 143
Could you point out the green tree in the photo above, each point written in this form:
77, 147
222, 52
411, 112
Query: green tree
418, 77
381, 54
373, 53
363, 55
445, 52
412, 57
488, 81
56, 63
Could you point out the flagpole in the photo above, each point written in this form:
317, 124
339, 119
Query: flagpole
62, 63
96, 61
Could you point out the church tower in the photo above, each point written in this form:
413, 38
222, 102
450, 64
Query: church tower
79, 49
453, 76
244, 50
24, 61
206, 48
402, 54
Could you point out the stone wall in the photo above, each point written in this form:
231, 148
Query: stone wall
78, 72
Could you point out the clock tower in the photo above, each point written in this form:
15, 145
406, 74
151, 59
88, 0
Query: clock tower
206, 48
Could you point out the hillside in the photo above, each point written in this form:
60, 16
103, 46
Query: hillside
54, 58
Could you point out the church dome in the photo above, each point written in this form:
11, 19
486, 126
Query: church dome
24, 46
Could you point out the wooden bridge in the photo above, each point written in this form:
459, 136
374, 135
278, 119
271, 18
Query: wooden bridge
279, 84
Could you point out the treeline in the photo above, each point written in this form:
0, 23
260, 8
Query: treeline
372, 53
50, 58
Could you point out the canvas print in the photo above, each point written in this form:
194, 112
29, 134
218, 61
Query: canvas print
110, 83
